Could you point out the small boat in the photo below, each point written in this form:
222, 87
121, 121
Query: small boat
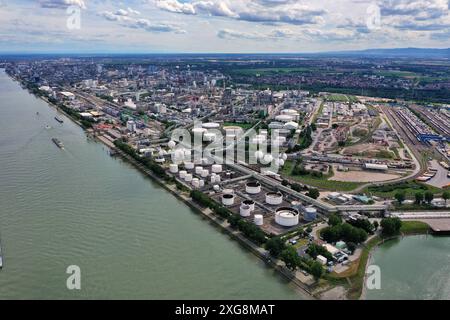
59, 119
48, 127
58, 143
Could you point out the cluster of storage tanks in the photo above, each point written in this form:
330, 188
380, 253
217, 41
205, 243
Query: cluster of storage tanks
284, 216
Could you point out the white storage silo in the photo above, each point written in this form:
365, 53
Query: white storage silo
201, 183
198, 170
173, 168
227, 199
228, 191
310, 214
216, 168
182, 174
244, 210
189, 165
205, 173
249, 203
287, 217
195, 183
274, 198
188, 177
253, 187
259, 219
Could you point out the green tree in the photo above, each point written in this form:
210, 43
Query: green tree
316, 270
391, 226
375, 225
429, 196
313, 193
351, 246
290, 257
446, 196
275, 246
400, 197
334, 220
419, 197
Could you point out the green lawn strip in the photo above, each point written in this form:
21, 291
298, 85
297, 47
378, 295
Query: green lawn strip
414, 227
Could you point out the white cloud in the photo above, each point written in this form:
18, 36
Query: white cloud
265, 11
126, 18
62, 4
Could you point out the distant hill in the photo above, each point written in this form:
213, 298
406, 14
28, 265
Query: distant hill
396, 52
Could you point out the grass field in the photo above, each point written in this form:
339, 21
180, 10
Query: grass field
318, 182
410, 188
413, 227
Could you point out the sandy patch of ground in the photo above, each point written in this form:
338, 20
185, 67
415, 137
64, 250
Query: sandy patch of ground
362, 176
337, 293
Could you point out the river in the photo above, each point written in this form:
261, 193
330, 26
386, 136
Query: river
415, 267
130, 237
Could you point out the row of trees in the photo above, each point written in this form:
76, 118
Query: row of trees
420, 197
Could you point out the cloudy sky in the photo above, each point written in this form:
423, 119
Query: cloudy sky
221, 25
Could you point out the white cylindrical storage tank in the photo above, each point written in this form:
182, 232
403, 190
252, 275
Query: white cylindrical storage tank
228, 191
188, 177
274, 198
213, 178
244, 210
183, 174
202, 183
287, 217
198, 161
189, 165
195, 182
216, 168
218, 179
259, 219
253, 187
160, 160
173, 168
198, 170
205, 173
228, 199
216, 188
249, 203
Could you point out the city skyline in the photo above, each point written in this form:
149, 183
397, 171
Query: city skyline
243, 26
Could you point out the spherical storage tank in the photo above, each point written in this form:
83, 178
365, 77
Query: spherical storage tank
253, 187
258, 219
310, 214
287, 217
228, 199
274, 198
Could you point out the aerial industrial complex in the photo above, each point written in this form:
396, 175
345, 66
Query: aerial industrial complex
274, 165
